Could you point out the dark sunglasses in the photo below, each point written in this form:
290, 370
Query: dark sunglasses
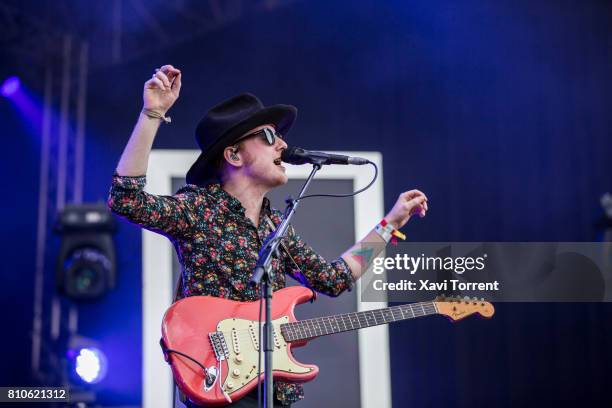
268, 135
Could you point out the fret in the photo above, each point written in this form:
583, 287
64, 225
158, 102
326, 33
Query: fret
307, 331
292, 333
371, 316
378, 316
311, 328
289, 329
314, 325
329, 324
301, 330
337, 321
360, 319
326, 326
348, 316
355, 319
302, 327
286, 332
366, 318
417, 312
374, 317
317, 326
296, 330
332, 327
411, 311
343, 322
334, 324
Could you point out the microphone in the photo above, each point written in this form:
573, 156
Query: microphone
296, 155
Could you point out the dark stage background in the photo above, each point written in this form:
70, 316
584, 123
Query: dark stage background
498, 110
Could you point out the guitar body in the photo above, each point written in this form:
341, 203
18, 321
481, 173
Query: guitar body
231, 354
212, 344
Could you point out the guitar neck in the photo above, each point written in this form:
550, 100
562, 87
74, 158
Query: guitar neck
322, 326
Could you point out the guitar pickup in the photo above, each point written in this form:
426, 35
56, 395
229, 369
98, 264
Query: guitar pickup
254, 336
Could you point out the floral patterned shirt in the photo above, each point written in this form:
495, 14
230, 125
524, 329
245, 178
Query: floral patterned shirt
218, 246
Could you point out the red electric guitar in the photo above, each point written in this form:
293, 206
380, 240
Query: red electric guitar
212, 344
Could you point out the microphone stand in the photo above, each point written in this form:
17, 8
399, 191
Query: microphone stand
262, 273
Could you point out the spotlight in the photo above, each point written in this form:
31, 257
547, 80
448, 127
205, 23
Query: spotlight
86, 261
90, 365
10, 86
86, 365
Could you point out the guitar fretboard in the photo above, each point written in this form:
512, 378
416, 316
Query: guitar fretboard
321, 326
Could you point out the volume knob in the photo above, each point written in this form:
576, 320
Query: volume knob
238, 359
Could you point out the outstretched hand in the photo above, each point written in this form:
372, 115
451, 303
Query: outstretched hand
408, 204
162, 90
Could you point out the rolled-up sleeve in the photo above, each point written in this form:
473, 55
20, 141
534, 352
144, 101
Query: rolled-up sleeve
330, 278
168, 215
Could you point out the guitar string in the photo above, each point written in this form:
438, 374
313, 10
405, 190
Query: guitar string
362, 317
301, 331
359, 317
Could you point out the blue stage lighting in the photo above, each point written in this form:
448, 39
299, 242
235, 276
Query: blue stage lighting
90, 365
10, 86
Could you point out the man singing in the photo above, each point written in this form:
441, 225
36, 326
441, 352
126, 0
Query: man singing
219, 220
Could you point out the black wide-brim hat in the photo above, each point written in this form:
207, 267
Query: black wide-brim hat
224, 123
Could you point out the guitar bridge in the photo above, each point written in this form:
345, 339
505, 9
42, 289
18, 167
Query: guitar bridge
219, 346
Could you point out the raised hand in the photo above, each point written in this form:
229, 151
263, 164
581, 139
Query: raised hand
408, 204
162, 90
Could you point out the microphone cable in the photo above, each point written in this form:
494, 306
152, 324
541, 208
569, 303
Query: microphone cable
345, 195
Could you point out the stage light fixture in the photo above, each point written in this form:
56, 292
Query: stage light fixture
86, 366
86, 260
90, 365
10, 86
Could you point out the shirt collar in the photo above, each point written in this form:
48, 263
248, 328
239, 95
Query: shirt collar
232, 203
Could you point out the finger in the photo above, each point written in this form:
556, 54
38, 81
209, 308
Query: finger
168, 69
154, 83
176, 84
412, 194
418, 200
164, 78
415, 204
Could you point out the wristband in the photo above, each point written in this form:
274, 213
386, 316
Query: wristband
156, 115
387, 232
